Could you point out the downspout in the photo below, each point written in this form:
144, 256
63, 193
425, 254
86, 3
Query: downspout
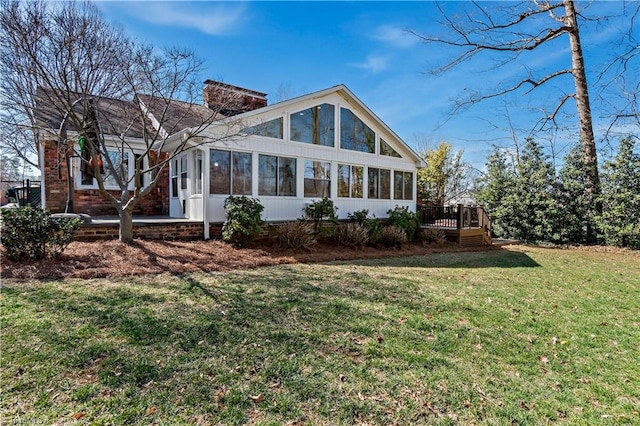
205, 191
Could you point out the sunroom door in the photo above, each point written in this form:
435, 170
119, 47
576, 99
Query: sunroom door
179, 206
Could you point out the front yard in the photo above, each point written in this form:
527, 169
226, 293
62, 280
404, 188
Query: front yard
519, 335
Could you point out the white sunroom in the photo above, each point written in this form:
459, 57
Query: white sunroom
290, 154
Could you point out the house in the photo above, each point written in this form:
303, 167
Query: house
287, 155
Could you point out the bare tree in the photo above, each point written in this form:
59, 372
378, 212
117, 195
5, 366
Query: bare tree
68, 74
507, 31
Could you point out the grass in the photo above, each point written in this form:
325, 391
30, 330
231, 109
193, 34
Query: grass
518, 336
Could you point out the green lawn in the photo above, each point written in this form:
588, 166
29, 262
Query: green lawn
518, 336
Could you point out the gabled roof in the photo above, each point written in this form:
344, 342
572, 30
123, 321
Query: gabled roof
115, 116
340, 89
174, 115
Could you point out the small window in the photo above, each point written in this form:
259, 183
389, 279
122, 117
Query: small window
174, 178
317, 179
403, 185
379, 183
314, 125
354, 134
270, 129
197, 178
183, 172
350, 181
386, 149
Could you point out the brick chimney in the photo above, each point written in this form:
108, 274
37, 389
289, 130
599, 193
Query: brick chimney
231, 100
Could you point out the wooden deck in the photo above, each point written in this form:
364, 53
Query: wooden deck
465, 225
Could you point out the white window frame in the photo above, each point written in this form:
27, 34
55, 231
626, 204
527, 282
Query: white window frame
130, 171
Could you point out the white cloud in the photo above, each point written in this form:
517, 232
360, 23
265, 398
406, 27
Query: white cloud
214, 19
374, 63
395, 36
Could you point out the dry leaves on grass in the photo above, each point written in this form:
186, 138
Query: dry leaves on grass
115, 259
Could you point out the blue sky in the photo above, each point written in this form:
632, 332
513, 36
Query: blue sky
298, 47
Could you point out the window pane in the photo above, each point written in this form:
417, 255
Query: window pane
408, 186
398, 184
314, 125
287, 176
386, 149
354, 134
357, 174
344, 181
267, 174
385, 184
373, 178
271, 129
197, 159
317, 175
183, 172
121, 166
220, 172
174, 179
241, 173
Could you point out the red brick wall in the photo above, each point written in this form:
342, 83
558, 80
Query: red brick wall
90, 201
153, 231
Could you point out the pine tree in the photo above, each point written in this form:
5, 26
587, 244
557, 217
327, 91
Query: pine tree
573, 217
619, 222
494, 189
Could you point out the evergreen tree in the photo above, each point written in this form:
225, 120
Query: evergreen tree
534, 207
494, 189
573, 217
619, 222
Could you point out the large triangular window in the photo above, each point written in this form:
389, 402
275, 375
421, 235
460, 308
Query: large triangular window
354, 134
270, 129
314, 125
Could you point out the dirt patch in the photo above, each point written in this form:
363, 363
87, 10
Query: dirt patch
115, 259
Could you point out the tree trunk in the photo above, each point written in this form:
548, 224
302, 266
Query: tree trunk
126, 226
592, 179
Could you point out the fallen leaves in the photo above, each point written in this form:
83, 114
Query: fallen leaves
257, 398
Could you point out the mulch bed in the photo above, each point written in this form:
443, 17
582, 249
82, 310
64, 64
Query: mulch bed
115, 259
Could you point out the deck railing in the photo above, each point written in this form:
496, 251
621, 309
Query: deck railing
457, 217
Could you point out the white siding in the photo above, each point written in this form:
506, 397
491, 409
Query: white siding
280, 208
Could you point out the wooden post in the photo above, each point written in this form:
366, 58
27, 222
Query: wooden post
459, 217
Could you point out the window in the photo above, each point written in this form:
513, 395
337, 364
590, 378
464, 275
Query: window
354, 134
314, 125
350, 181
174, 178
386, 149
122, 166
403, 185
230, 172
241, 175
183, 172
270, 129
317, 179
276, 176
197, 172
379, 183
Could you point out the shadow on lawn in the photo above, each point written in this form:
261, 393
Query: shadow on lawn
498, 258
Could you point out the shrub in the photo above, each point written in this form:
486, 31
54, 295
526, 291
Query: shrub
433, 236
296, 235
320, 210
31, 233
404, 219
351, 235
243, 219
392, 236
371, 224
